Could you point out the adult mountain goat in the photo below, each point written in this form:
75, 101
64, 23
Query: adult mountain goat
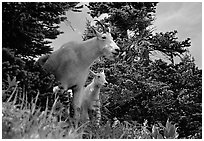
70, 64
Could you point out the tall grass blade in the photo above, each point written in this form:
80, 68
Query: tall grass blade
43, 115
12, 94
15, 98
50, 115
34, 104
26, 100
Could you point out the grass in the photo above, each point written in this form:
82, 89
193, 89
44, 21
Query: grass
29, 122
24, 120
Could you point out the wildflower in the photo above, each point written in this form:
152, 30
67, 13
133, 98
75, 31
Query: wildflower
116, 122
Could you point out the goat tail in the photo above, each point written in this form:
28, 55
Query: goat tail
41, 61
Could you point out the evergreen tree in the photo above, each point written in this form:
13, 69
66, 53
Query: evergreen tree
26, 25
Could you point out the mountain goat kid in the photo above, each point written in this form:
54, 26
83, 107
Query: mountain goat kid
91, 98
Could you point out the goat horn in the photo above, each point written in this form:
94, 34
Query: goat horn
104, 30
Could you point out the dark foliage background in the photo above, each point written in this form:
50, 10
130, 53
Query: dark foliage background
139, 87
27, 28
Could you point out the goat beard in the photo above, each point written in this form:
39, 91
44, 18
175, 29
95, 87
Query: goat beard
110, 56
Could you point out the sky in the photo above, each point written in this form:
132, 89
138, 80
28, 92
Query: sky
185, 17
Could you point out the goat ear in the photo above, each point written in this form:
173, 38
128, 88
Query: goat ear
91, 72
97, 34
109, 29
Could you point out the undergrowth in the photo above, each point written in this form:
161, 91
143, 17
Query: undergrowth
27, 121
